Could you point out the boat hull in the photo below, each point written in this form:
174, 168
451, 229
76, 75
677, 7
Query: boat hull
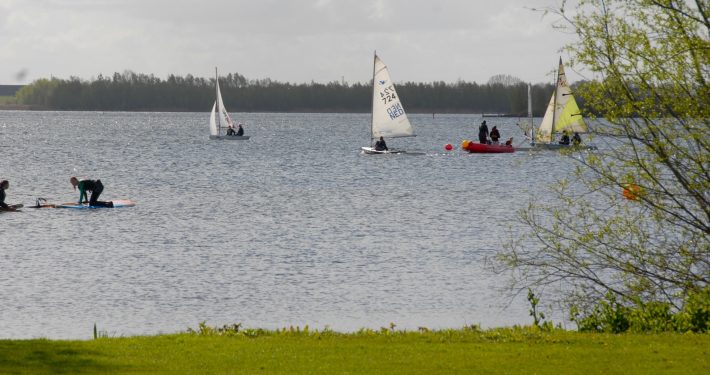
556, 146
371, 150
231, 137
480, 148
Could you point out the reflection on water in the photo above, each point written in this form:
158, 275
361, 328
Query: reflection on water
292, 227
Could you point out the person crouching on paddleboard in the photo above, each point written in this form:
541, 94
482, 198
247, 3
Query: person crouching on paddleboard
94, 186
4, 184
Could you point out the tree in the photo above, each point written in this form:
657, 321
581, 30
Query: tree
650, 60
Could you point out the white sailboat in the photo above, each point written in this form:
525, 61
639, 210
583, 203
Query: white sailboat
562, 115
219, 118
388, 117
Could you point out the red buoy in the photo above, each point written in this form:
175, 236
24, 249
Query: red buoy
449, 147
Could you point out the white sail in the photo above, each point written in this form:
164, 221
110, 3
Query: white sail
214, 130
388, 116
219, 118
562, 112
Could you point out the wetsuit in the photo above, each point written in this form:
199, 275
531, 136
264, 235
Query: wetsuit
95, 187
2, 200
240, 131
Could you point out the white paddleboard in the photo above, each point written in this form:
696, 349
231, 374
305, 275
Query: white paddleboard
116, 204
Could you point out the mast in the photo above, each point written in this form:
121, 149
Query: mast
216, 89
372, 108
530, 116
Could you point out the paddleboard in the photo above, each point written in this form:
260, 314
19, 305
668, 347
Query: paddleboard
15, 206
116, 204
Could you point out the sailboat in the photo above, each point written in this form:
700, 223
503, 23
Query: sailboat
388, 118
219, 118
562, 115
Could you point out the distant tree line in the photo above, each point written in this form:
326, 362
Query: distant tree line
131, 91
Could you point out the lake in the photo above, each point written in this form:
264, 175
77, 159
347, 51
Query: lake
293, 227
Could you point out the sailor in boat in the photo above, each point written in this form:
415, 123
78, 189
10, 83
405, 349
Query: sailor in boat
230, 130
495, 135
576, 139
509, 142
4, 185
94, 186
240, 131
483, 133
381, 145
565, 138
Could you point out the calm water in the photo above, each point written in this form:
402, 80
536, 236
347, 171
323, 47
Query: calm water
293, 227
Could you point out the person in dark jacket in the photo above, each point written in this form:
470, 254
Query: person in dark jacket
495, 135
483, 133
4, 185
565, 138
381, 145
94, 186
240, 131
576, 139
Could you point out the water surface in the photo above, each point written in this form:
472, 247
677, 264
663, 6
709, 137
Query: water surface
292, 227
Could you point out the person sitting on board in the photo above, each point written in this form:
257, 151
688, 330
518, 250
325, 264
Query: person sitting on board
509, 142
565, 138
240, 131
495, 135
95, 187
230, 130
483, 133
381, 145
576, 139
4, 184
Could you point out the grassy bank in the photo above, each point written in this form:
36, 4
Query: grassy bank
469, 351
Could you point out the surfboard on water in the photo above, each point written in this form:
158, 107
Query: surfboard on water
15, 206
118, 203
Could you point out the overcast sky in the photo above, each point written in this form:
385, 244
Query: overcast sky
285, 40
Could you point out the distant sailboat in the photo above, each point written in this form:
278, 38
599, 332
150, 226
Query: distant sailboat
388, 118
219, 118
562, 115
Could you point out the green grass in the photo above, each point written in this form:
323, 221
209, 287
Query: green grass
466, 351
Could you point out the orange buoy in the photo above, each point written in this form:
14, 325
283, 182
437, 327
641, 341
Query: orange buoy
449, 147
464, 144
632, 192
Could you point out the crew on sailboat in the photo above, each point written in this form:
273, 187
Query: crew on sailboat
564, 140
381, 145
230, 130
576, 139
240, 131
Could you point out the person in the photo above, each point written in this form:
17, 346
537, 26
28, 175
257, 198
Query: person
94, 186
509, 142
495, 135
381, 145
230, 130
483, 133
565, 138
4, 185
240, 131
576, 139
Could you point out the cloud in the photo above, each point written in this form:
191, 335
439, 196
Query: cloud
297, 41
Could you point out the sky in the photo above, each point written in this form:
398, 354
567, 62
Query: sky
286, 40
